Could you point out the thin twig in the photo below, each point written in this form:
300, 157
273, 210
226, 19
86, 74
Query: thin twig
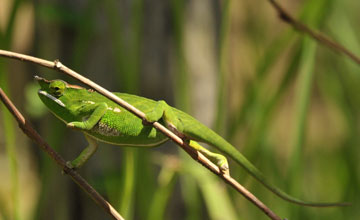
320, 37
33, 135
183, 144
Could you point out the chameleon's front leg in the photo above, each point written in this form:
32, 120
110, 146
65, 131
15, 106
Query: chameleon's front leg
218, 159
85, 154
97, 113
164, 111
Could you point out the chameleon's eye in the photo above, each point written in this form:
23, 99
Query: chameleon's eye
57, 87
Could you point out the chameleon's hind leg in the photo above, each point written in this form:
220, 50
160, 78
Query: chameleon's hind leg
85, 154
164, 111
218, 159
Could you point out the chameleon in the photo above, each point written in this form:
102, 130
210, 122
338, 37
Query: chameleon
101, 119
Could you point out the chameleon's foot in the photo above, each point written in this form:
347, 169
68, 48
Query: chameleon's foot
221, 162
76, 125
85, 154
69, 166
70, 125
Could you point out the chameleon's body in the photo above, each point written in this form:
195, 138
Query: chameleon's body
103, 120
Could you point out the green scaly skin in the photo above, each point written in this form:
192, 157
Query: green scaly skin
102, 120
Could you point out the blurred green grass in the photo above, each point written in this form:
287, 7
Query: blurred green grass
290, 105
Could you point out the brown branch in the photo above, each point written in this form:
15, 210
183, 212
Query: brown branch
183, 144
321, 38
33, 135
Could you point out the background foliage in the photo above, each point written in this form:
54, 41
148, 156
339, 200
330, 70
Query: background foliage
290, 105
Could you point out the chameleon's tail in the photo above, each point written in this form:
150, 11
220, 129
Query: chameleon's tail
227, 148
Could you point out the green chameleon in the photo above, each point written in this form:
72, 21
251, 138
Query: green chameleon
100, 119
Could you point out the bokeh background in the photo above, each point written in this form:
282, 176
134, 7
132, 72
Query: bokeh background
290, 105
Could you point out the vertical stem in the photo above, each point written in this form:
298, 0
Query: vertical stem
10, 145
181, 76
129, 170
303, 99
5, 42
221, 86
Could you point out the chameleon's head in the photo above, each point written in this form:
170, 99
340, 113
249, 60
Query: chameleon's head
60, 97
50, 91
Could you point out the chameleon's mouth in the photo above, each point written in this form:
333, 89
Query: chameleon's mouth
58, 101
